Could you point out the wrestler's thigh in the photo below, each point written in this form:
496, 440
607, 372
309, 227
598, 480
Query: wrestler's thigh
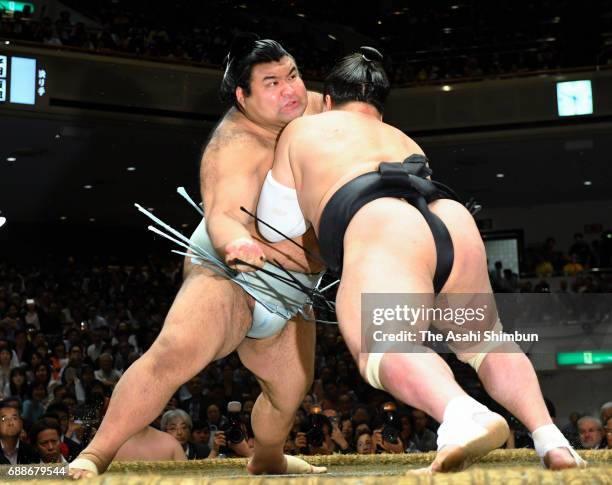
283, 363
395, 257
209, 310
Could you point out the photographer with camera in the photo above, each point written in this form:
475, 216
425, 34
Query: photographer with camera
320, 434
386, 439
234, 433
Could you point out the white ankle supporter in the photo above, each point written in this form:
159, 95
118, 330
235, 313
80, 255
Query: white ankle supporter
549, 437
462, 406
457, 426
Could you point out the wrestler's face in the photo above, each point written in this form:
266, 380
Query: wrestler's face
278, 94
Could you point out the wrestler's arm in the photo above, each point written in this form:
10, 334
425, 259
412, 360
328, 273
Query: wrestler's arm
229, 180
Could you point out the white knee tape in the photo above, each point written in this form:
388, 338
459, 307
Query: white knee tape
476, 359
373, 370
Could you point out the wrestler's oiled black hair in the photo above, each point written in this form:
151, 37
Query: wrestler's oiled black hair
246, 51
359, 77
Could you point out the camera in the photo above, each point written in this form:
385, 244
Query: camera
391, 423
233, 429
313, 426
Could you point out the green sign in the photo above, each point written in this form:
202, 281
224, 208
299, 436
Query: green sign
596, 357
15, 6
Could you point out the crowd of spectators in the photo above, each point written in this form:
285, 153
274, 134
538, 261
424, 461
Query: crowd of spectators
583, 268
69, 330
423, 42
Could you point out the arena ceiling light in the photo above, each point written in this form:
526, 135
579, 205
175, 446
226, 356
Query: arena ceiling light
63, 218
131, 169
500, 175
587, 183
11, 159
446, 88
88, 187
2, 221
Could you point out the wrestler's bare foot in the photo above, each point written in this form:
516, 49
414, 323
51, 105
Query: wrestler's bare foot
86, 465
289, 465
559, 459
454, 458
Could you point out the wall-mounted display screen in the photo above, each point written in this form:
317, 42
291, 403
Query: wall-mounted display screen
22, 81
574, 98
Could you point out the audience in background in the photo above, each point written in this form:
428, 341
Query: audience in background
14, 450
92, 321
45, 438
590, 433
422, 43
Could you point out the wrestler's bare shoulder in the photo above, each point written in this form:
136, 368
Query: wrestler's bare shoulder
235, 132
315, 103
334, 123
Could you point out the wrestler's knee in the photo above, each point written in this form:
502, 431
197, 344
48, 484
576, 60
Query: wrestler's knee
286, 401
165, 355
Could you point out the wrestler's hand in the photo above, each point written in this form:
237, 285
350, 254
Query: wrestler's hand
247, 250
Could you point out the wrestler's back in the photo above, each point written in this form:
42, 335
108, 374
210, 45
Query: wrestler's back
151, 444
337, 146
334, 147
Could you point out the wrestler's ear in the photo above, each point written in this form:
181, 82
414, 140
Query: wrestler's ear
240, 96
327, 103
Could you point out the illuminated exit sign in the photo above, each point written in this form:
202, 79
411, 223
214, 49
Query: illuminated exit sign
596, 357
15, 6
